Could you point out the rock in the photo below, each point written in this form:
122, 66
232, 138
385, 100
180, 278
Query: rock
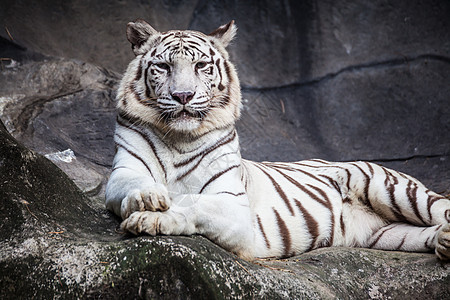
387, 114
279, 42
56, 105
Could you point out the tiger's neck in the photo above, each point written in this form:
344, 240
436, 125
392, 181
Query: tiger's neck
184, 143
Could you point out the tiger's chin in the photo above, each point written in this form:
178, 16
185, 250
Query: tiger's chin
185, 122
185, 125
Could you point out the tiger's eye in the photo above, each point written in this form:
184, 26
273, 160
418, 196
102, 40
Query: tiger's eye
200, 65
163, 66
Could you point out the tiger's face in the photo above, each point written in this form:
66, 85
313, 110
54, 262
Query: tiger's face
181, 81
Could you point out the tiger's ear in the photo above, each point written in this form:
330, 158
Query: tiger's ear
225, 33
138, 32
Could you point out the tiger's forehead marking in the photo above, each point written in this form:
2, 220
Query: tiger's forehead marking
186, 44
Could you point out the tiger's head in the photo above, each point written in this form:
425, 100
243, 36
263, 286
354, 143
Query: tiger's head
180, 81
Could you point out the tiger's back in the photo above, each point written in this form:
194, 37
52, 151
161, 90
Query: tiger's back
178, 168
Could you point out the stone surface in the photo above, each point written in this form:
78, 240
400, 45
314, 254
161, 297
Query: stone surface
339, 80
55, 105
279, 42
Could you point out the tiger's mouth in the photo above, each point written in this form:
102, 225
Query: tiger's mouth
184, 114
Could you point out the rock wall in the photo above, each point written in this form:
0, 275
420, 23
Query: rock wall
339, 80
344, 80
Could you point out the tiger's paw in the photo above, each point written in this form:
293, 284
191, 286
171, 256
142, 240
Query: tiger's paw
443, 243
153, 198
154, 223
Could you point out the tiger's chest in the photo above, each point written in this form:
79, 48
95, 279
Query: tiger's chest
190, 168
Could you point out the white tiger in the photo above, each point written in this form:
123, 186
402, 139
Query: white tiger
178, 169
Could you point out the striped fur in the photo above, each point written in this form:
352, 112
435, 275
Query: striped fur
178, 168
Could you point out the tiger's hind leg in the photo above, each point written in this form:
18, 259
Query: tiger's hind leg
417, 218
411, 238
395, 196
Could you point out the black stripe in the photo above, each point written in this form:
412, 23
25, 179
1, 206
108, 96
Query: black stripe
196, 48
223, 141
320, 161
347, 200
349, 175
167, 48
262, 231
197, 35
430, 201
119, 167
401, 243
366, 186
202, 155
230, 193
304, 189
369, 165
217, 176
165, 37
389, 173
277, 188
390, 187
342, 225
147, 88
149, 142
134, 155
367, 181
332, 182
381, 234
285, 234
139, 71
411, 192
330, 207
193, 42
302, 164
221, 87
136, 95
311, 223
128, 118
275, 165
228, 73
427, 244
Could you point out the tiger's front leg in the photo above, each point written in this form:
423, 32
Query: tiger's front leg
224, 219
153, 223
152, 198
129, 190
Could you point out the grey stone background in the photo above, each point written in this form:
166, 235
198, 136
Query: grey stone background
338, 80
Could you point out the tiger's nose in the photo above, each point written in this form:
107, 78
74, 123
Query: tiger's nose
183, 97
